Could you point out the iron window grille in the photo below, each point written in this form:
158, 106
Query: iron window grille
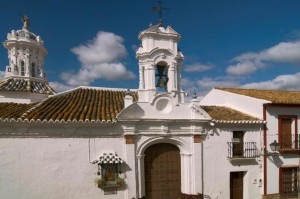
289, 182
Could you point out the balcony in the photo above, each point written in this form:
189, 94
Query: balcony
290, 144
242, 150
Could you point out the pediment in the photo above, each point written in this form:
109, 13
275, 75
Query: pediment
162, 108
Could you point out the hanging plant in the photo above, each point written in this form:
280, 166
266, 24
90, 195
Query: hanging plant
100, 182
109, 167
120, 181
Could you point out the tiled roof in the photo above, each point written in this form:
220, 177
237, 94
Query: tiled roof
82, 104
222, 114
13, 111
274, 96
95, 105
26, 85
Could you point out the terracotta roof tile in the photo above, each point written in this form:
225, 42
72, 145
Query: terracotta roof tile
26, 86
274, 96
82, 104
13, 110
222, 113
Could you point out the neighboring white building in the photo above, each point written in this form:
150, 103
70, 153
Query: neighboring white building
281, 111
144, 143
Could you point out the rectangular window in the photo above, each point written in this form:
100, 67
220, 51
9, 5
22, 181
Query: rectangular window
289, 182
238, 144
287, 132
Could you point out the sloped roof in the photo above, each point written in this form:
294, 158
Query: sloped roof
13, 110
274, 96
222, 114
87, 104
82, 104
26, 85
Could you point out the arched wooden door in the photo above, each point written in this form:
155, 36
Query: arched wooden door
162, 172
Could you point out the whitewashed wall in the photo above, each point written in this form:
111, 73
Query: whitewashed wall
245, 104
49, 164
21, 97
275, 161
217, 167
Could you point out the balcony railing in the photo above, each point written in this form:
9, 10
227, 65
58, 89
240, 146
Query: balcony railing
290, 144
242, 150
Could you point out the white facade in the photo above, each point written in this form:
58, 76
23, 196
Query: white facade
217, 165
271, 161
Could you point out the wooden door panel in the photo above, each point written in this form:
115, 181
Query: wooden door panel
236, 185
162, 172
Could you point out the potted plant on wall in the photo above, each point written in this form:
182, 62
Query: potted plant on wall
109, 170
100, 182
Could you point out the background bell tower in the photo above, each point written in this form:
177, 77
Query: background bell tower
26, 54
25, 79
159, 63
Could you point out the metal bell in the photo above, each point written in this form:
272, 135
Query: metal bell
161, 83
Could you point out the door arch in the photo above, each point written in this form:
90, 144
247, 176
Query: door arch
162, 171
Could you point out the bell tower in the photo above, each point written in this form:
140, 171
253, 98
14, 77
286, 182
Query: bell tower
25, 79
26, 54
159, 63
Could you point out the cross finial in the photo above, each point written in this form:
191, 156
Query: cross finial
159, 10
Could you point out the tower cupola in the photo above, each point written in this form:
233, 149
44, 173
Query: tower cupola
26, 54
25, 78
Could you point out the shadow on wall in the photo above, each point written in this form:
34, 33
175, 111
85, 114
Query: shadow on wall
276, 160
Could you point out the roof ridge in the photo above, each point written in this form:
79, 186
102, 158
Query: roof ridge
90, 87
226, 88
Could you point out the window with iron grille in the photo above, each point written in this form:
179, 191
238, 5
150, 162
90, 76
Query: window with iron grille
289, 182
288, 136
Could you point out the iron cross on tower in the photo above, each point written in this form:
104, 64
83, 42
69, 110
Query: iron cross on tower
159, 10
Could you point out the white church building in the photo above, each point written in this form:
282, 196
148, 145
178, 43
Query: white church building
150, 142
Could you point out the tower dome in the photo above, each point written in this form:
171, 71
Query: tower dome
25, 71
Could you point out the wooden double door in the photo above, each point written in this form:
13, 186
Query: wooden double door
162, 172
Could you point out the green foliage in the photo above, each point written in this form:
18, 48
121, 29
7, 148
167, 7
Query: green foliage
102, 183
120, 181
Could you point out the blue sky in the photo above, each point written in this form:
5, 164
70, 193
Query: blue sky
233, 43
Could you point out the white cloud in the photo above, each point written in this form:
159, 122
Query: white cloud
282, 82
209, 83
106, 47
100, 59
2, 75
135, 47
248, 63
189, 87
197, 67
241, 68
60, 87
204, 85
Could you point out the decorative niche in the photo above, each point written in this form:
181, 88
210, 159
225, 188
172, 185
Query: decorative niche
110, 172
